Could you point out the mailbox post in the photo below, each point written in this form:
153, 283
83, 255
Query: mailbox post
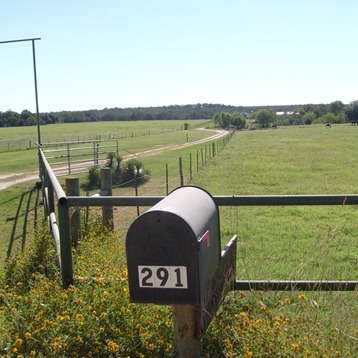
174, 258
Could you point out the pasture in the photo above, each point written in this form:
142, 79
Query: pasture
15, 138
274, 243
132, 137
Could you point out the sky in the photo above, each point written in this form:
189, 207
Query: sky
96, 54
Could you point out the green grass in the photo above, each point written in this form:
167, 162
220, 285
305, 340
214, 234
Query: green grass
22, 137
294, 242
26, 160
22, 162
298, 243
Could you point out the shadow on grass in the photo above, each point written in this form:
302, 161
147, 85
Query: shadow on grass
24, 211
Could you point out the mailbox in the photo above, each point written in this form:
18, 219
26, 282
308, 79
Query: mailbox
173, 249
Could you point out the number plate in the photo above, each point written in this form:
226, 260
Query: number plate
162, 277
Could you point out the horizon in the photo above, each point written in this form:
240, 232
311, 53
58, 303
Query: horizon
180, 105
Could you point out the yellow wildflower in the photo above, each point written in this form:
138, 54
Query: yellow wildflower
113, 346
296, 347
18, 343
57, 344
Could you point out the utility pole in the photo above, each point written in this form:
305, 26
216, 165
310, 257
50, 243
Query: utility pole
35, 81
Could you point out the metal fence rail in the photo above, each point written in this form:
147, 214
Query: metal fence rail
72, 157
65, 203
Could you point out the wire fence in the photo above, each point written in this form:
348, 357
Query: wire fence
26, 144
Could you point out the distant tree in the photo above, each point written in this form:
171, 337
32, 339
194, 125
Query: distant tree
308, 107
329, 118
25, 114
352, 112
10, 119
336, 107
238, 119
308, 118
265, 117
226, 119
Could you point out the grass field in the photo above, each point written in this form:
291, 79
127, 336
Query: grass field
298, 243
293, 242
26, 160
25, 137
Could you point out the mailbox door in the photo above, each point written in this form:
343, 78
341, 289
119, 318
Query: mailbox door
162, 260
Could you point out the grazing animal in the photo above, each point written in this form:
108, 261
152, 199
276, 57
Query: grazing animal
354, 123
328, 125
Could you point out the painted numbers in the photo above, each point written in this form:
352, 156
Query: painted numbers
162, 277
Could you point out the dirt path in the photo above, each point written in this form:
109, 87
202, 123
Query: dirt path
7, 180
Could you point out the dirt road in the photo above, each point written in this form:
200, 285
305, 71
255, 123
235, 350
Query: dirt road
7, 180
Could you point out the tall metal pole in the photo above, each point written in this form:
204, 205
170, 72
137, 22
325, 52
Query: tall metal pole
36, 95
35, 79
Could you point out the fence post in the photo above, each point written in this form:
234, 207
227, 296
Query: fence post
107, 211
186, 344
181, 171
73, 189
197, 160
190, 167
167, 177
65, 244
69, 158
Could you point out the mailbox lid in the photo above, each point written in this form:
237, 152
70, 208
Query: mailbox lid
193, 204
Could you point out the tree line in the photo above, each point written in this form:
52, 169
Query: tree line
335, 112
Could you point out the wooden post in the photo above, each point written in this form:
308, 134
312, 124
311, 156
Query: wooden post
186, 344
65, 244
107, 211
69, 158
73, 189
181, 171
190, 167
167, 178
197, 160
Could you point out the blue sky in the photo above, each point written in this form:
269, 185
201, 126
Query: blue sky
112, 53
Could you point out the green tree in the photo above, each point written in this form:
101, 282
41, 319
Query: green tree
336, 107
226, 119
352, 112
308, 118
265, 117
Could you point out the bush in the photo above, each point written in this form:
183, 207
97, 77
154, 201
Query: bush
128, 173
114, 162
135, 173
93, 180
